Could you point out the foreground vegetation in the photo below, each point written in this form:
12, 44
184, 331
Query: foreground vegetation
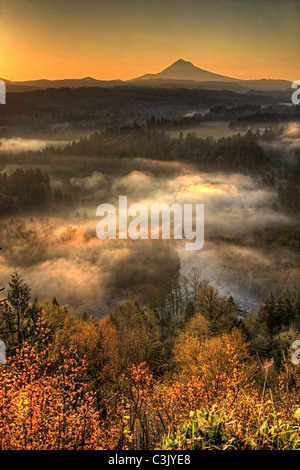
147, 379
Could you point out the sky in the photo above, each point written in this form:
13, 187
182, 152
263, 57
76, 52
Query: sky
123, 39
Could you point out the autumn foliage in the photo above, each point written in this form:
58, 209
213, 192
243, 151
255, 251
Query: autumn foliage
113, 384
46, 407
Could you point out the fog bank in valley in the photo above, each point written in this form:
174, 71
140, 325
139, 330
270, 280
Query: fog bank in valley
60, 256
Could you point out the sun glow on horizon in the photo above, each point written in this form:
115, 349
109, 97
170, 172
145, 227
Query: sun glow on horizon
127, 39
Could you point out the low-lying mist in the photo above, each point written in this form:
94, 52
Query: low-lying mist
59, 255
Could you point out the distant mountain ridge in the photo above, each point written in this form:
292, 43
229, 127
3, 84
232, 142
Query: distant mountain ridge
182, 74
65, 83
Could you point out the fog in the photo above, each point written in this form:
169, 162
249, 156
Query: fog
19, 144
60, 255
287, 145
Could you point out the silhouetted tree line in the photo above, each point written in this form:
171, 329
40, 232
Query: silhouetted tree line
23, 189
222, 112
236, 153
173, 123
273, 114
288, 185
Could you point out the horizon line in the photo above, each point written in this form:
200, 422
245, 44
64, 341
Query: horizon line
147, 73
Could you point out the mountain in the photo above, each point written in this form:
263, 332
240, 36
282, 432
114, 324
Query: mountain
184, 70
180, 74
183, 73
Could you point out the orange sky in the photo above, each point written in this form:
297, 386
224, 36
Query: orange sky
109, 39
